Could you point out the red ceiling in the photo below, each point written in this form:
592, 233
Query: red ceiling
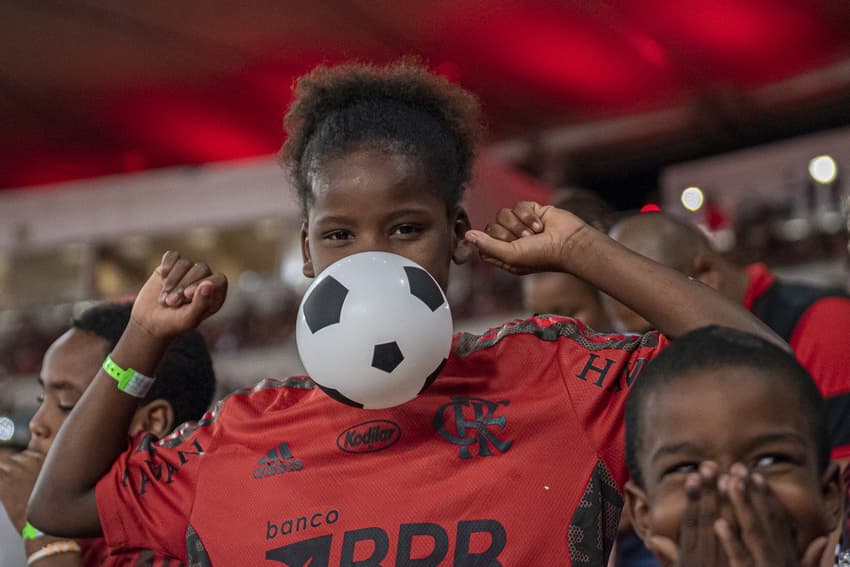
90, 88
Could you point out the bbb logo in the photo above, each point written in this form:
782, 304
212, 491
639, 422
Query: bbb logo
369, 436
468, 421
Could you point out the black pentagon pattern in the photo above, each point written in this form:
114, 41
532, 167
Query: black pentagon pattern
340, 398
387, 357
422, 286
433, 376
324, 305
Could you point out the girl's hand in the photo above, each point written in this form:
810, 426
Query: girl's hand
178, 296
528, 238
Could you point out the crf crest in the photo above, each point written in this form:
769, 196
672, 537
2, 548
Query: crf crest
467, 422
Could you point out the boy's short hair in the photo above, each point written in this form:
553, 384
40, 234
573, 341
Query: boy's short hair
185, 376
586, 205
721, 347
400, 108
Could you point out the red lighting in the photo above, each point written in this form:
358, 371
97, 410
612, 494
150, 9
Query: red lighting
650, 208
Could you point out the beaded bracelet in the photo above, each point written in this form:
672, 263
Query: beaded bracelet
52, 549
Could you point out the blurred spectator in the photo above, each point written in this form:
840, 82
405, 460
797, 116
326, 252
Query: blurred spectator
814, 321
565, 294
182, 393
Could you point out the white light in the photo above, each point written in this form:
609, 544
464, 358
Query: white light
823, 169
7, 429
693, 198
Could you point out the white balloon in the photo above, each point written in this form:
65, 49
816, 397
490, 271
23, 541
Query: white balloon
366, 300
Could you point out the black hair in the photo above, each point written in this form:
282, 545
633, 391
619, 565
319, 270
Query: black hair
717, 347
185, 376
401, 108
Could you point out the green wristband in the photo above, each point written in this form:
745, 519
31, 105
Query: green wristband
30, 532
129, 381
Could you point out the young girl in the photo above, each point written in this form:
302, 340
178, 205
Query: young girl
514, 456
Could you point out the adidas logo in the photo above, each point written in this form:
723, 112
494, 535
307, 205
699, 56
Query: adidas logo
278, 460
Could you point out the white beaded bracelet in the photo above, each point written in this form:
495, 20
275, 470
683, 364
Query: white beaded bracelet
52, 549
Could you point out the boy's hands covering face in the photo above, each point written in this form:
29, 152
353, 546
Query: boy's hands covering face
766, 535
528, 238
734, 520
698, 545
17, 479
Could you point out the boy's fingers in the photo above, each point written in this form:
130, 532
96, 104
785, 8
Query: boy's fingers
736, 554
750, 520
778, 533
689, 530
726, 510
814, 553
665, 549
707, 510
760, 500
28, 456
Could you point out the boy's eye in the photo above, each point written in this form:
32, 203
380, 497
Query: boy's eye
40, 399
65, 409
682, 468
772, 459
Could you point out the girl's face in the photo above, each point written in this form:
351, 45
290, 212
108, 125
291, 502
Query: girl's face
371, 200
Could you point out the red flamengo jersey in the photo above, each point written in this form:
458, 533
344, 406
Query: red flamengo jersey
513, 457
95, 553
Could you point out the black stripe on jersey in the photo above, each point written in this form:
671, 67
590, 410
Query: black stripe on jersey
593, 527
145, 558
561, 328
838, 419
196, 553
182, 433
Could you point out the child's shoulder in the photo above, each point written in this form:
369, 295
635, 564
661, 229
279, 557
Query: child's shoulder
272, 393
551, 330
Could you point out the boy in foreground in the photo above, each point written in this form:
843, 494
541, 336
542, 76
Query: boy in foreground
728, 450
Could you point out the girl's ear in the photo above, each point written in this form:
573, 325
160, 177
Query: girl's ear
461, 248
307, 262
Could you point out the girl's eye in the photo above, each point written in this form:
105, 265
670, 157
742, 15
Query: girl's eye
40, 399
337, 235
405, 229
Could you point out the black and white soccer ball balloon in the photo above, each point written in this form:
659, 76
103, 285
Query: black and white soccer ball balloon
374, 330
